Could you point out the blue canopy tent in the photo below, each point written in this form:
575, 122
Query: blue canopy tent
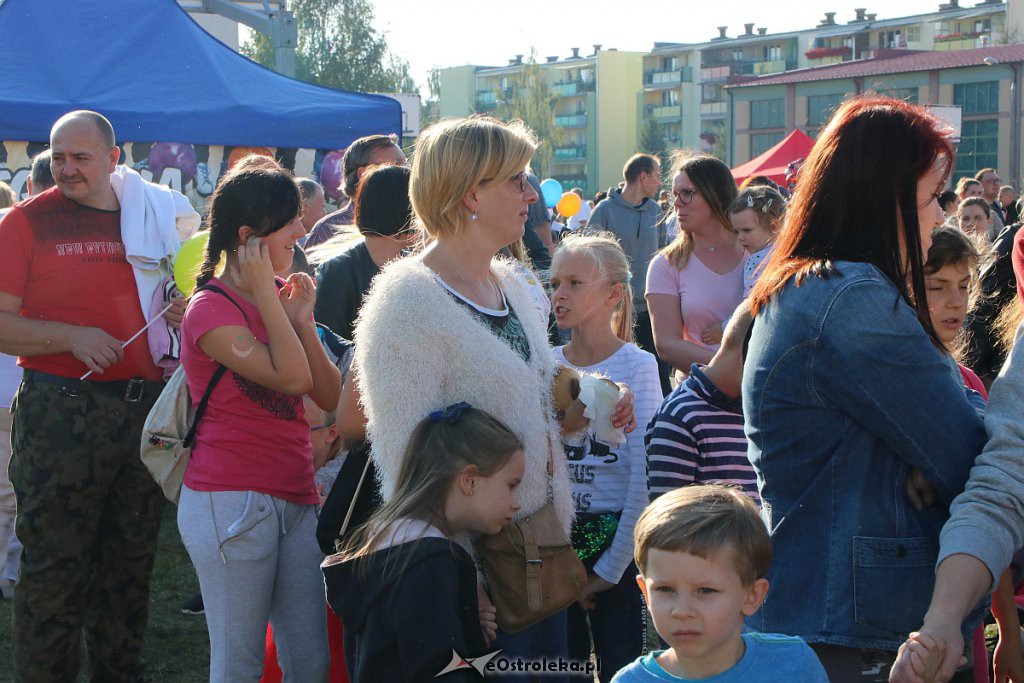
149, 68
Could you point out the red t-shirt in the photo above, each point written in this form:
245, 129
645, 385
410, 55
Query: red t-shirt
250, 438
66, 262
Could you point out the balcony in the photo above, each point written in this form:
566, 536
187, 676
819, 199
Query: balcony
568, 88
572, 180
486, 100
715, 73
772, 66
571, 153
657, 77
712, 109
572, 120
964, 41
665, 111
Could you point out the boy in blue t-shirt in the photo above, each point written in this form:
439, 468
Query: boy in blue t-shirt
703, 553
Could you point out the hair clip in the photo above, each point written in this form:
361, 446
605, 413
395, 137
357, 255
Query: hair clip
750, 201
768, 205
451, 414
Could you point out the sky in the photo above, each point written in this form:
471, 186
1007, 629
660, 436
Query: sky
442, 33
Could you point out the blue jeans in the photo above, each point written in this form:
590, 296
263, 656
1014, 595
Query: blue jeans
616, 627
544, 640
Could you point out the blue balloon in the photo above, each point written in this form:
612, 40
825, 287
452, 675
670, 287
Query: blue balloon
551, 189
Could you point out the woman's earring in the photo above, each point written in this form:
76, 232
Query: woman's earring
472, 216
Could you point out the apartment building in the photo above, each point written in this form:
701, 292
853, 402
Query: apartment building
596, 124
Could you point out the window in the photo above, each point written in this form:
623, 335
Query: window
668, 64
670, 98
774, 53
768, 114
711, 93
979, 147
977, 98
737, 55
762, 142
820, 108
914, 35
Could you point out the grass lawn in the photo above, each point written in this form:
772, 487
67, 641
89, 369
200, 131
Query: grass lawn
177, 647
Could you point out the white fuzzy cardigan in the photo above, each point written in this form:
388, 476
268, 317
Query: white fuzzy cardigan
419, 350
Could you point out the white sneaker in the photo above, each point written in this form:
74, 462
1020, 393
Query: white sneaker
204, 186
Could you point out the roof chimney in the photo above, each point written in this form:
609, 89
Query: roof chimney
519, 59
597, 48
748, 29
761, 31
553, 58
860, 13
721, 32
952, 4
829, 20
871, 16
575, 53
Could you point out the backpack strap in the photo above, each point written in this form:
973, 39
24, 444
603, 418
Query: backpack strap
217, 374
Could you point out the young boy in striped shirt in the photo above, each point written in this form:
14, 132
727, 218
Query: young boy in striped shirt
696, 437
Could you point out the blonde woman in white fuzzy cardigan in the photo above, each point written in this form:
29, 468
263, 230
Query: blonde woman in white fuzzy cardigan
456, 324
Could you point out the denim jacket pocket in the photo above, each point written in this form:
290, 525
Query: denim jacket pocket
250, 534
892, 582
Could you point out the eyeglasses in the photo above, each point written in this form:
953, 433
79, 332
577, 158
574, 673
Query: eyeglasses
685, 196
524, 182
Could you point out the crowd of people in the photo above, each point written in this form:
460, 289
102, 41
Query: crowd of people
756, 417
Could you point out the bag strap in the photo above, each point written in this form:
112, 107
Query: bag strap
217, 374
534, 564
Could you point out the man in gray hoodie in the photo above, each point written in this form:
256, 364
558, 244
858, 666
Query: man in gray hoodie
633, 215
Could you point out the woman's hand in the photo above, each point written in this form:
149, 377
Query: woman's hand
930, 655
623, 417
488, 616
712, 334
595, 584
919, 490
297, 298
254, 272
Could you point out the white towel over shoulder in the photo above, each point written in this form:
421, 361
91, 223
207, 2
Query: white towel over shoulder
155, 220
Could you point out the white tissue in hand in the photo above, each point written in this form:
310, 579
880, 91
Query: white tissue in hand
600, 398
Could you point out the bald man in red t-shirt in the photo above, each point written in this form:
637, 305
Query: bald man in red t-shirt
88, 511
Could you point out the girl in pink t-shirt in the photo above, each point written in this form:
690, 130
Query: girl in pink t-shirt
696, 280
247, 512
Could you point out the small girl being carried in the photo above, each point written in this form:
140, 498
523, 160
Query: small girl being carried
756, 215
591, 295
406, 592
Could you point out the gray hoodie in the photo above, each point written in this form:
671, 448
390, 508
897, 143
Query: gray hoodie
638, 232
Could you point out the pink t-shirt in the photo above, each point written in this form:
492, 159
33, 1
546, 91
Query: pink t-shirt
250, 438
705, 297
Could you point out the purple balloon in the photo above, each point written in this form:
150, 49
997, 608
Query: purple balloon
331, 173
173, 155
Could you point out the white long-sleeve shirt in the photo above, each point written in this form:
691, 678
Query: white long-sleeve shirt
607, 478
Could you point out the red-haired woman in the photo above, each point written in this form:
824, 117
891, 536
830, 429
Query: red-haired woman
847, 392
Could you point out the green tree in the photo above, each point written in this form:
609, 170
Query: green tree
338, 47
531, 99
652, 141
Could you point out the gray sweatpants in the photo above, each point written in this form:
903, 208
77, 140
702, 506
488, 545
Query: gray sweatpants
257, 560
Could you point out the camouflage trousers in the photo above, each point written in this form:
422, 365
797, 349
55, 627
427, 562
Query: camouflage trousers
88, 517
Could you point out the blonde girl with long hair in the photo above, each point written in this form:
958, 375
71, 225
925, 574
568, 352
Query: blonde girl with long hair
592, 296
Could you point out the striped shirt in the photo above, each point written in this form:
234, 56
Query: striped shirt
696, 437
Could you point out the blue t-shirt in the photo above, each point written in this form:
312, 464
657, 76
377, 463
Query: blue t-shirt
769, 657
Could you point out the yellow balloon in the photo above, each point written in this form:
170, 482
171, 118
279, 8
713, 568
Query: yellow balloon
188, 261
570, 204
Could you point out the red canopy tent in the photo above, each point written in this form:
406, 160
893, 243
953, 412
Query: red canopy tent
773, 163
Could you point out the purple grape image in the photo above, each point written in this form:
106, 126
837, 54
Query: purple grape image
331, 173
173, 155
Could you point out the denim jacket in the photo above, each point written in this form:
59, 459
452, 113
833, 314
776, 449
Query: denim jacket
843, 393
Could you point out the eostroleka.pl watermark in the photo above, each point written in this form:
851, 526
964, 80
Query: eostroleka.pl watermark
493, 665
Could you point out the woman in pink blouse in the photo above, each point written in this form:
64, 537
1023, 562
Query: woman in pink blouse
697, 280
